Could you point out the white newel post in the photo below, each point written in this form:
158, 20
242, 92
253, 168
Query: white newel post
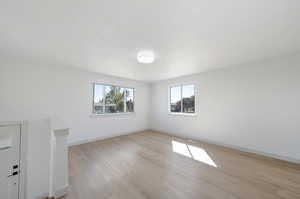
59, 162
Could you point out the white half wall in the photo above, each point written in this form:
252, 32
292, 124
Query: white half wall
255, 107
37, 92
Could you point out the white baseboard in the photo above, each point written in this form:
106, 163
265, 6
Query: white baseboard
43, 196
61, 192
85, 141
270, 155
297, 161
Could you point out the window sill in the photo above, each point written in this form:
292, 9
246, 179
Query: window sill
183, 114
111, 114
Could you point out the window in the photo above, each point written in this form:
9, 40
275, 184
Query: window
182, 99
112, 99
176, 99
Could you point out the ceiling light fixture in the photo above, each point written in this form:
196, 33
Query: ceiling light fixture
145, 56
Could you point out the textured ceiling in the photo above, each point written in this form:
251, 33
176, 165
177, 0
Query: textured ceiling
187, 36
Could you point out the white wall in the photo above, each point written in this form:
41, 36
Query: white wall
255, 107
35, 93
32, 93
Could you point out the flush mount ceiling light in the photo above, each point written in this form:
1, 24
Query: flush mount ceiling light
145, 56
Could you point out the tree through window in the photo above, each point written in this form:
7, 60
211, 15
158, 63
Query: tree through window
112, 99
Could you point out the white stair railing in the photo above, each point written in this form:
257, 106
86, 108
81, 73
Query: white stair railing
59, 173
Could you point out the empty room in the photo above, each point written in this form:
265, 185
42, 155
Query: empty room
150, 99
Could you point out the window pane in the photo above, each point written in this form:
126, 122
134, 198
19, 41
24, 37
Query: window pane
114, 99
129, 100
119, 99
98, 98
188, 98
109, 100
175, 99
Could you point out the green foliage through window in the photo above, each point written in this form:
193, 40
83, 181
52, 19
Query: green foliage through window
112, 99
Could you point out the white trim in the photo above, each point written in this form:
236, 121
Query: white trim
124, 103
43, 196
109, 83
11, 123
242, 149
103, 95
61, 132
183, 114
181, 101
112, 114
52, 164
61, 192
89, 140
23, 160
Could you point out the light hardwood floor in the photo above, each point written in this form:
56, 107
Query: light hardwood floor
145, 166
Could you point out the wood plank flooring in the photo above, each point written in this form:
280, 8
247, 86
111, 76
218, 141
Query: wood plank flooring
152, 165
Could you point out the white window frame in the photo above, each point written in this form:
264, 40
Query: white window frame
169, 99
94, 114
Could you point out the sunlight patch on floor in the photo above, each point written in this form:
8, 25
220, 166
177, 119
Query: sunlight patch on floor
181, 149
193, 152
